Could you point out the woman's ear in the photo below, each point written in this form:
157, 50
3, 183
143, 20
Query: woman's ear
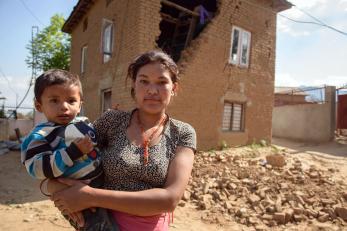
175, 88
37, 105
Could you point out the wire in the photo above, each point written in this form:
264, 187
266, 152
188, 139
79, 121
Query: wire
20, 103
32, 14
318, 22
8, 81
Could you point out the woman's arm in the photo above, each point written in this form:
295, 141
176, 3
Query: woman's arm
143, 203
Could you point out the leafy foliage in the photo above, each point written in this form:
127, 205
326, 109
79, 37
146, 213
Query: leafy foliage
51, 47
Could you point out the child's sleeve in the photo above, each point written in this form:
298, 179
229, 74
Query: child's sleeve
41, 161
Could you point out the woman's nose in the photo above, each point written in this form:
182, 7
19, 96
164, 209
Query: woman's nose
152, 89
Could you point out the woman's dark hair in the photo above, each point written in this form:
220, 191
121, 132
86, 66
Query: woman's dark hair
55, 77
149, 57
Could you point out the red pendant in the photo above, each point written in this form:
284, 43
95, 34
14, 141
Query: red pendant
145, 155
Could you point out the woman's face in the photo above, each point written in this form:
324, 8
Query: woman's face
153, 88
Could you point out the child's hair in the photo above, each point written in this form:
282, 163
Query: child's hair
55, 77
154, 56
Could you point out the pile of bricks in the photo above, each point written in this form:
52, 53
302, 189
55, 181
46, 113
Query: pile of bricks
264, 191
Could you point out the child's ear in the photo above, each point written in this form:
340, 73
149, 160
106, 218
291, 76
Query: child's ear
37, 105
79, 109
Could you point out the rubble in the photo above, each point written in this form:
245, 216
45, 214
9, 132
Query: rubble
264, 190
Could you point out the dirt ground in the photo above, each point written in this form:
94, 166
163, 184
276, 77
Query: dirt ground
22, 207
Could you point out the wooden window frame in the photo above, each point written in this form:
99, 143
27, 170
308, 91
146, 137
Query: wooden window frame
107, 55
240, 42
103, 109
84, 55
242, 119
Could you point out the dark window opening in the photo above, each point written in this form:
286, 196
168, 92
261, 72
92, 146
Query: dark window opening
85, 24
182, 21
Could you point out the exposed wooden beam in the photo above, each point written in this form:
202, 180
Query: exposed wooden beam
181, 8
168, 18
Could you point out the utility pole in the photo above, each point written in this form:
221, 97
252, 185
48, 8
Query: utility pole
34, 69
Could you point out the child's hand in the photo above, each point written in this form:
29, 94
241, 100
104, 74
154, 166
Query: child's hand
77, 217
85, 144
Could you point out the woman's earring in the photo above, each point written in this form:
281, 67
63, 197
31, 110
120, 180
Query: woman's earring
172, 93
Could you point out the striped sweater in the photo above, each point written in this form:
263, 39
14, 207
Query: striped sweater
48, 152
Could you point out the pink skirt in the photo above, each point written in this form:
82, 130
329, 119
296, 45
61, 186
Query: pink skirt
128, 222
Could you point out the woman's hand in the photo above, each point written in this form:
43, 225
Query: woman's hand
73, 199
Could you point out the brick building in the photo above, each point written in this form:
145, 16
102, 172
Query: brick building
225, 50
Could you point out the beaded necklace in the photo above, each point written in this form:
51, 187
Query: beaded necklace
145, 142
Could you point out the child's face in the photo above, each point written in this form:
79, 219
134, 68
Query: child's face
60, 103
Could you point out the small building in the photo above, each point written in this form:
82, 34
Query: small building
225, 51
289, 96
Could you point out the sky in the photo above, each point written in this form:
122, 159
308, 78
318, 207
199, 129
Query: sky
306, 54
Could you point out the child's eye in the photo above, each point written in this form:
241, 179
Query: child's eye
72, 101
53, 101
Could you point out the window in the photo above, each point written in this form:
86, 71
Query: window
83, 59
106, 96
240, 47
233, 117
107, 40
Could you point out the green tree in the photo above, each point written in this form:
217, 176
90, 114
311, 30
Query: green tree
50, 48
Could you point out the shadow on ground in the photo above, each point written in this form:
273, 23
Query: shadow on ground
13, 176
338, 147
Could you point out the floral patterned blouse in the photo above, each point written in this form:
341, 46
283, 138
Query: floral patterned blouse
123, 161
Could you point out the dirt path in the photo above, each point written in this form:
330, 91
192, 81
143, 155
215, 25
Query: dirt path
22, 207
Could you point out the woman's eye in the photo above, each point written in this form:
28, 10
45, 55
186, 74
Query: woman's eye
72, 101
143, 81
54, 101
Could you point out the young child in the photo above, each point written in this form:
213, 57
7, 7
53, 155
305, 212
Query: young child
64, 146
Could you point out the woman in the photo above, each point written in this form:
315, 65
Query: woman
147, 156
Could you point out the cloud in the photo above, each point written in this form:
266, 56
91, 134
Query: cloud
286, 80
324, 10
337, 81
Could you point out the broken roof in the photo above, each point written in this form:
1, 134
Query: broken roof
83, 6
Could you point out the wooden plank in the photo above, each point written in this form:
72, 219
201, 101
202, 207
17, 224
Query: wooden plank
181, 8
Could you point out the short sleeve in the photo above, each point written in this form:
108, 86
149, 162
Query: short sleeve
103, 125
187, 137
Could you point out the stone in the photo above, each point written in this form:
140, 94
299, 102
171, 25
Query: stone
323, 218
242, 212
280, 218
289, 215
298, 218
278, 204
253, 199
341, 212
260, 228
275, 160
182, 203
186, 195
345, 195
311, 212
298, 211
267, 217
326, 202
